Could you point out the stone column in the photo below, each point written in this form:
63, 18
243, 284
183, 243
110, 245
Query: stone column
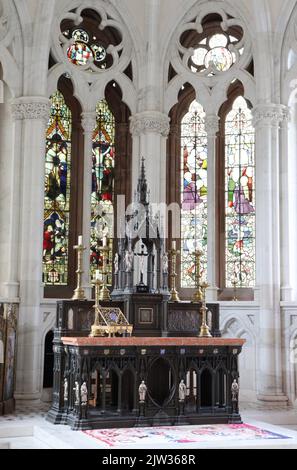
285, 206
150, 130
88, 124
269, 372
11, 285
33, 111
212, 127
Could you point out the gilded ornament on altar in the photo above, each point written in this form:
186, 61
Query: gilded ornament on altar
109, 322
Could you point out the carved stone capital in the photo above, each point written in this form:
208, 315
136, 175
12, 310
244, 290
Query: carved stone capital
88, 122
11, 314
211, 125
150, 122
269, 115
31, 107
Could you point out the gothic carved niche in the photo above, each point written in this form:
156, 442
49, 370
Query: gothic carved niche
211, 44
91, 40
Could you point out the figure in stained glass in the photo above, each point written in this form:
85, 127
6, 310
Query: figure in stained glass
194, 191
240, 196
57, 193
102, 199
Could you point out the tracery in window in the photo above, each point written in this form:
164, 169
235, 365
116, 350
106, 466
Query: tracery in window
85, 48
214, 53
193, 193
57, 193
239, 196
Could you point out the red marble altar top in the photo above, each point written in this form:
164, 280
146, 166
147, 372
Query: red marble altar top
151, 341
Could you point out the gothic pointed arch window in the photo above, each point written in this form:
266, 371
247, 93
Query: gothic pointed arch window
193, 192
57, 193
239, 196
103, 179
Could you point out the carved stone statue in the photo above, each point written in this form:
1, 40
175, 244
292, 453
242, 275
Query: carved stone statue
116, 263
234, 390
65, 389
142, 392
76, 390
84, 394
182, 390
165, 262
128, 261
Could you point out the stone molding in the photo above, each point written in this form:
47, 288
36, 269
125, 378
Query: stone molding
88, 122
150, 122
212, 125
270, 114
31, 107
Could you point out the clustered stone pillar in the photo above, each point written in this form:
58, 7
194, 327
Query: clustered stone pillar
285, 192
33, 113
212, 127
267, 118
11, 284
88, 124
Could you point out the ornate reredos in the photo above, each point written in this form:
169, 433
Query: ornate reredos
119, 53
226, 23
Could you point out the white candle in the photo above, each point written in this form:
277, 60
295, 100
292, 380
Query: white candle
97, 275
80, 242
104, 241
174, 245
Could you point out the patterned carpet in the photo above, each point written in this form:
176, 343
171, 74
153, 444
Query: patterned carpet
175, 435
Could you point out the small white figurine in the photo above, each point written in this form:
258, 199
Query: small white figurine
128, 261
142, 392
234, 390
182, 390
165, 262
116, 263
65, 389
84, 393
76, 390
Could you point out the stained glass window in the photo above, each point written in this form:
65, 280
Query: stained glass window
85, 48
57, 193
102, 200
213, 53
194, 193
240, 196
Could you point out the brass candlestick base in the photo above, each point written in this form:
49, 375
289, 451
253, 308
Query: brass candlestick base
204, 329
79, 293
174, 296
197, 297
104, 293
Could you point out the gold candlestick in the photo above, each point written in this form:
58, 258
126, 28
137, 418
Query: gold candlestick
198, 296
204, 330
95, 331
174, 297
234, 284
79, 293
104, 292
